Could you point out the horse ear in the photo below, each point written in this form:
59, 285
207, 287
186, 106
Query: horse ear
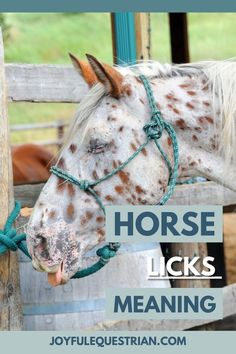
84, 70
107, 75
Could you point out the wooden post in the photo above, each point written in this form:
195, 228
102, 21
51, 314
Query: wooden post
179, 37
10, 300
190, 250
143, 35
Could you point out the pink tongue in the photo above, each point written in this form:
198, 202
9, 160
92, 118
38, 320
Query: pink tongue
55, 279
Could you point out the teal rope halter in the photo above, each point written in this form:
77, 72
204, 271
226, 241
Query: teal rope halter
9, 240
153, 130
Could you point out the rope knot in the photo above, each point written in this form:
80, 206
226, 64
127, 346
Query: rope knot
155, 127
106, 252
84, 185
7, 241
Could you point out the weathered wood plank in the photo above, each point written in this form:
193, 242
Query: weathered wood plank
10, 300
202, 193
193, 194
143, 35
28, 194
44, 83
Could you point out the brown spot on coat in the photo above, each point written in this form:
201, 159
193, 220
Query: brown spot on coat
73, 148
210, 120
99, 218
71, 189
52, 214
171, 97
121, 128
88, 215
109, 198
111, 119
144, 151
124, 177
106, 171
184, 86
101, 232
195, 138
127, 90
169, 142
175, 110
193, 163
181, 124
207, 104
139, 189
61, 163
189, 105
133, 146
114, 106
70, 211
61, 185
95, 175
119, 189
142, 101
201, 120
191, 93
198, 129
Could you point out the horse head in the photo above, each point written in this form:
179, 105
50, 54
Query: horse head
107, 129
67, 220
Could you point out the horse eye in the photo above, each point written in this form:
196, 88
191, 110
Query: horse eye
97, 146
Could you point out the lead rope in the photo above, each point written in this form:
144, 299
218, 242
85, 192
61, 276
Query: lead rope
154, 129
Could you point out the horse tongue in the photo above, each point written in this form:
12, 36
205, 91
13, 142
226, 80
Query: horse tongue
55, 279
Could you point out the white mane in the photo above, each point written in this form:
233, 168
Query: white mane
220, 76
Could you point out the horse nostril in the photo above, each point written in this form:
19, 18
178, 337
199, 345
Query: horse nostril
41, 241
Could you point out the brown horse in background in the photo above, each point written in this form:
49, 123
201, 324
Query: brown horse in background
31, 163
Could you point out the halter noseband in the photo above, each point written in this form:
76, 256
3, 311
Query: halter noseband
153, 130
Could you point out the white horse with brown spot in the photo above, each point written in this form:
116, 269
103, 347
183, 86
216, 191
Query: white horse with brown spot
198, 100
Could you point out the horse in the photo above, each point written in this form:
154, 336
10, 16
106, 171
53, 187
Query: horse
31, 164
196, 99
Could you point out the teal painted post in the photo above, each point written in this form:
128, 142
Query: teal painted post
124, 38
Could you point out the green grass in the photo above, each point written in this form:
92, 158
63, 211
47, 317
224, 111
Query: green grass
47, 38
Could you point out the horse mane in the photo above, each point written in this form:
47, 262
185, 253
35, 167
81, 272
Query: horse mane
220, 77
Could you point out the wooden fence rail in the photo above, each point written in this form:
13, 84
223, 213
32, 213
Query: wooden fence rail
59, 125
193, 194
44, 83
35, 126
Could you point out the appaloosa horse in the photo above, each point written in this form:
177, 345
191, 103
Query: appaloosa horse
31, 163
198, 100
